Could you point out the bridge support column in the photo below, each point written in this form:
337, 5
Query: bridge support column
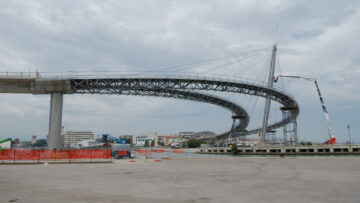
54, 137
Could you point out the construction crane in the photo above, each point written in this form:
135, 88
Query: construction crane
332, 138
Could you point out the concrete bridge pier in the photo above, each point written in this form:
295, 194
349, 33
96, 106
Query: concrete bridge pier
56, 104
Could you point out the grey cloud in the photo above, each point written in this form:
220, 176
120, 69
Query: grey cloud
316, 38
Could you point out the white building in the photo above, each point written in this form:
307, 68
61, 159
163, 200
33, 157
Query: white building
33, 139
73, 136
186, 134
140, 140
86, 143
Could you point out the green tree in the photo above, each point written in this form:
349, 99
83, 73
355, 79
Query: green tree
234, 149
146, 143
152, 143
127, 140
306, 143
194, 143
161, 143
40, 143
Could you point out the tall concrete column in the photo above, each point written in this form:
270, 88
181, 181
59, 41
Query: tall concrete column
56, 104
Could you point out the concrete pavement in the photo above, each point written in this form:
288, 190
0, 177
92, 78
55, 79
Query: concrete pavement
187, 179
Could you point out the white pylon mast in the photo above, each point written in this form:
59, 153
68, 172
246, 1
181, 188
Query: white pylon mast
268, 101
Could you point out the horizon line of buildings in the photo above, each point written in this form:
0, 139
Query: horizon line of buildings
85, 138
78, 138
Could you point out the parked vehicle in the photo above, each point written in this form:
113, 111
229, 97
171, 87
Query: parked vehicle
121, 150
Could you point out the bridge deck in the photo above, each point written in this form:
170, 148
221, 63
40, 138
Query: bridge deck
137, 84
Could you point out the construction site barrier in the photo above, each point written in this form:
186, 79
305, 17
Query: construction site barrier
144, 151
7, 154
159, 150
37, 155
177, 151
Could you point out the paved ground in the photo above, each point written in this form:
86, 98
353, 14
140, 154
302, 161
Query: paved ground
187, 179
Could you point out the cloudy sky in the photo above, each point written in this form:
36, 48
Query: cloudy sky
315, 38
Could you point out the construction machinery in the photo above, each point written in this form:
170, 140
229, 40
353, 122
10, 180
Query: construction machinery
5, 144
108, 138
118, 146
332, 139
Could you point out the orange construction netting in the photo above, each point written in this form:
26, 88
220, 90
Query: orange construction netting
144, 152
177, 151
159, 150
26, 154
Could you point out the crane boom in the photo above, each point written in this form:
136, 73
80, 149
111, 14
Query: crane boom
332, 138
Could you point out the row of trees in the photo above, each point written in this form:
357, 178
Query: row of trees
194, 143
40, 143
152, 143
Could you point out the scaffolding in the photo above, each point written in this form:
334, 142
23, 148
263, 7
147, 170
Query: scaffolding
271, 137
234, 131
290, 129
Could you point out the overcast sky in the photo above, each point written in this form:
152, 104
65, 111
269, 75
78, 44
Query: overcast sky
315, 38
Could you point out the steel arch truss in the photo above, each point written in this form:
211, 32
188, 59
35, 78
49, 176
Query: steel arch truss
194, 96
159, 84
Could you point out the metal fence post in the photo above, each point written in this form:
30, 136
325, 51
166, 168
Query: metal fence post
38, 156
91, 155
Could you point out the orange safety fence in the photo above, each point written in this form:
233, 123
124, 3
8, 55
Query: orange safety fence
46, 154
159, 150
81, 154
64, 154
26, 154
101, 154
144, 152
177, 151
7, 154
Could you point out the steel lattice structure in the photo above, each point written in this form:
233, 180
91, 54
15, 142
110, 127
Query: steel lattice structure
183, 87
193, 96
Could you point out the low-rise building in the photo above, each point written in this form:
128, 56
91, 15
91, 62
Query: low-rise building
74, 136
186, 134
204, 134
141, 140
33, 139
171, 139
86, 143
